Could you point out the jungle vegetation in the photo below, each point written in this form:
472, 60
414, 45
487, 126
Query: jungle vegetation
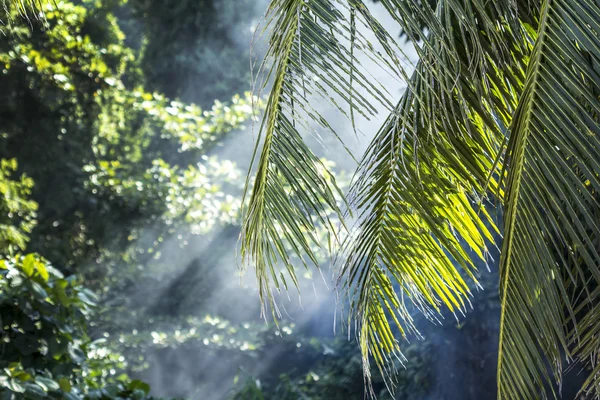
118, 210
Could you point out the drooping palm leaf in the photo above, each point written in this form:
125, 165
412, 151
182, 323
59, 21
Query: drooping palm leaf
586, 342
313, 46
550, 258
417, 186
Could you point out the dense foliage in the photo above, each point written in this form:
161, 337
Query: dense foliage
44, 317
111, 162
115, 159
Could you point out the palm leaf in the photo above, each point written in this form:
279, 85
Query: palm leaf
550, 259
417, 186
313, 46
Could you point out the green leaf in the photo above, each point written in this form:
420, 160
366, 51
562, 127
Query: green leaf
139, 385
88, 297
47, 383
22, 375
64, 300
294, 193
65, 384
550, 264
16, 386
28, 264
39, 291
35, 389
41, 269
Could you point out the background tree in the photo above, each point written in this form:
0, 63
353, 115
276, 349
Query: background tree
106, 153
121, 170
208, 53
46, 351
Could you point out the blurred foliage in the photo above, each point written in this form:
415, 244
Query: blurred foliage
215, 334
45, 350
110, 159
207, 56
17, 212
335, 373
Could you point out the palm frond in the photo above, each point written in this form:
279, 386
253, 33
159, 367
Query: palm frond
314, 47
550, 261
585, 341
418, 186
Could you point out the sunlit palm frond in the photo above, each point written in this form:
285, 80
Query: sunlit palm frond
550, 261
417, 191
